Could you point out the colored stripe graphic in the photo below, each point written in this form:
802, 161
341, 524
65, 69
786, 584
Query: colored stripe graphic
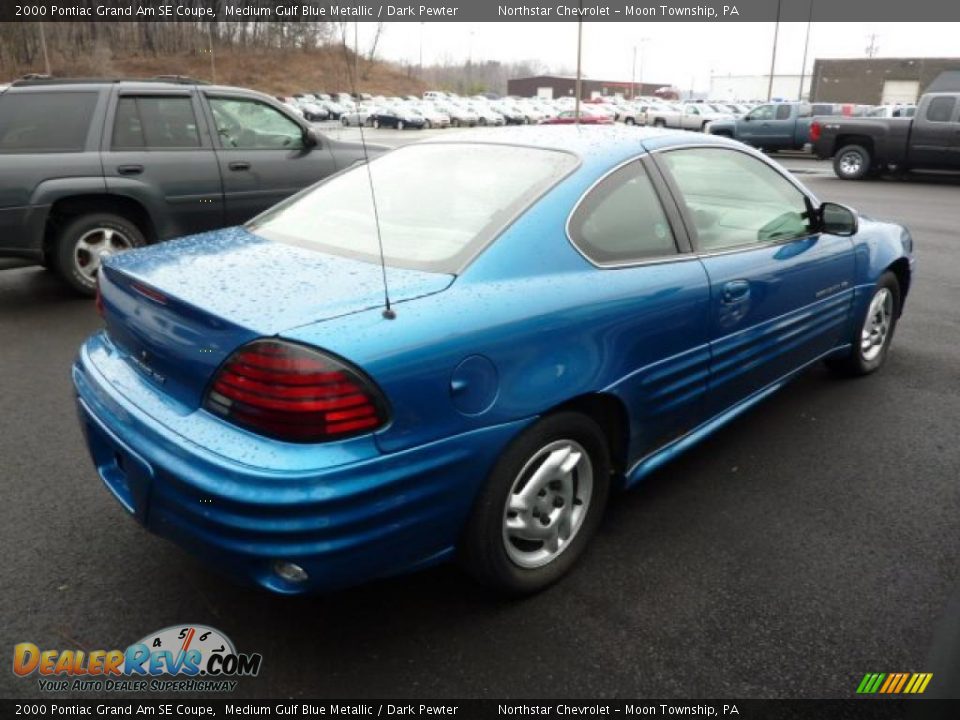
894, 683
903, 681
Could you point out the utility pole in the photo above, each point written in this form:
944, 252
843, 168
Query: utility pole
579, 84
213, 64
806, 46
421, 50
773, 56
634, 77
872, 47
43, 46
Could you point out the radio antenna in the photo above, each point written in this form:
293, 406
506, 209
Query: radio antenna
388, 312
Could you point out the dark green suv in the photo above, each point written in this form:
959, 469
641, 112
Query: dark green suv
92, 167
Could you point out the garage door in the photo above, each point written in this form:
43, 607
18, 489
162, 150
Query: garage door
900, 91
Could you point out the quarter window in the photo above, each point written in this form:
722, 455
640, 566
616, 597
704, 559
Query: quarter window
253, 125
153, 122
735, 199
941, 109
45, 121
621, 220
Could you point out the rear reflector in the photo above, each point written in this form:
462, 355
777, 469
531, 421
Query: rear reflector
294, 393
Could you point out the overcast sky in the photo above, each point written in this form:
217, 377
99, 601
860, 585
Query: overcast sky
674, 53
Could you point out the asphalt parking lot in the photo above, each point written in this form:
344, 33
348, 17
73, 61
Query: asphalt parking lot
813, 540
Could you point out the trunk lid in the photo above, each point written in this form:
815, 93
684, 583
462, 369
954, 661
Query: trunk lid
177, 310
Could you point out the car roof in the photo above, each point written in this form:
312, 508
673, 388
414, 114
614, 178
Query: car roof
163, 81
593, 144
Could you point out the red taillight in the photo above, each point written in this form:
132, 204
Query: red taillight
815, 131
294, 393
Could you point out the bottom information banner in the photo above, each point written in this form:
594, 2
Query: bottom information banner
726, 708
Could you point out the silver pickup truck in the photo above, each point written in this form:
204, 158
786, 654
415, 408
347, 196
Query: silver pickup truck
689, 116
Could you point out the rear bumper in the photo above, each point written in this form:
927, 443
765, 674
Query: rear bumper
344, 514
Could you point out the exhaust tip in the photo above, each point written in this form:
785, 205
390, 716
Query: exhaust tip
290, 572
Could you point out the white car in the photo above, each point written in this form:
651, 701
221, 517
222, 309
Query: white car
486, 115
432, 117
459, 114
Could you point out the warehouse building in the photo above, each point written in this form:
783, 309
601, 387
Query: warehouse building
556, 86
880, 81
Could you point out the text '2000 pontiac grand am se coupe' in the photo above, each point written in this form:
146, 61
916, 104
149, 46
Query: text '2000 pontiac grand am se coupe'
573, 307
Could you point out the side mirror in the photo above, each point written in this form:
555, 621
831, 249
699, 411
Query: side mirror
838, 219
311, 138
746, 118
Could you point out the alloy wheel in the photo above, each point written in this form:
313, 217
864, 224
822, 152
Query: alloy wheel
876, 326
547, 504
94, 246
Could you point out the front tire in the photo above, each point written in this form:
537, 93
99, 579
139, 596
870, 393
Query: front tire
874, 333
659, 123
541, 504
86, 241
630, 121
852, 162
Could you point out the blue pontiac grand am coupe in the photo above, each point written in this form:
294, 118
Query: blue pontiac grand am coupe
573, 307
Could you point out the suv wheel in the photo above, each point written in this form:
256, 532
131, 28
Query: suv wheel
86, 241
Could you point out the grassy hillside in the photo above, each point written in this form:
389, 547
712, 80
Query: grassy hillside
276, 72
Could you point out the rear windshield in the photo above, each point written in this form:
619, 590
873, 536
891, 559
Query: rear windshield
45, 121
438, 204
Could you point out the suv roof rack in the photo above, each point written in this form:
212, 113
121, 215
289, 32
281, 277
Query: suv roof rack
41, 79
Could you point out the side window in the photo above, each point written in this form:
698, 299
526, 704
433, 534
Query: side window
252, 125
735, 199
45, 121
621, 220
783, 112
940, 109
154, 122
764, 112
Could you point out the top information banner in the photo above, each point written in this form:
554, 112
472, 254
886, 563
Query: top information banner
479, 11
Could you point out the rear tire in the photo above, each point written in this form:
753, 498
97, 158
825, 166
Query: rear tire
563, 464
86, 241
874, 332
629, 121
852, 162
